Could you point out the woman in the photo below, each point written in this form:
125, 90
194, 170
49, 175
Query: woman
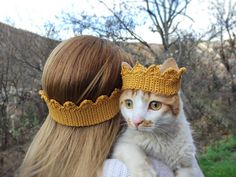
67, 145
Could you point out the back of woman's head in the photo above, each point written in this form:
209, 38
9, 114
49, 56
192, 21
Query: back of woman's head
80, 68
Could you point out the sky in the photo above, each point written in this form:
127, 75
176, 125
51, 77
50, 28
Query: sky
31, 15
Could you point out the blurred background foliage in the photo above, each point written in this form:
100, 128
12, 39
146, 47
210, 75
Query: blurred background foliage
208, 88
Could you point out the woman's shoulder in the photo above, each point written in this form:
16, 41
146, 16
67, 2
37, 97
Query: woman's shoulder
114, 168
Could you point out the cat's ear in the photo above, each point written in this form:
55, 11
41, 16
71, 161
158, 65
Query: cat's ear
125, 65
169, 63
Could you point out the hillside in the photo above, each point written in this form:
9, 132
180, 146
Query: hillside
23, 49
22, 55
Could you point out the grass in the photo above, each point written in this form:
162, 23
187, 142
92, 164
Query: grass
219, 160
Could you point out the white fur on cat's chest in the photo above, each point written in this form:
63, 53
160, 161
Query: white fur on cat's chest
158, 147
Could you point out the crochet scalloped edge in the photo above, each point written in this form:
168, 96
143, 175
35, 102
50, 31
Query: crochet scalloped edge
83, 105
169, 73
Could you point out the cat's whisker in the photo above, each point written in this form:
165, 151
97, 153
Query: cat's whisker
123, 124
148, 129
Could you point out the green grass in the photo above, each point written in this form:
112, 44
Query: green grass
219, 160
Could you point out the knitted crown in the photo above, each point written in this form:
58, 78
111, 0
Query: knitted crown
87, 113
152, 79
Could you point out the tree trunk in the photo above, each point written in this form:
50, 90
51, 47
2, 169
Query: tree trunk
3, 127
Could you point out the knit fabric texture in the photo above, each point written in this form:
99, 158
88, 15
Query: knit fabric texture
114, 168
151, 79
87, 113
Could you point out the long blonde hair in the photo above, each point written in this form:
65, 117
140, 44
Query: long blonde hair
80, 68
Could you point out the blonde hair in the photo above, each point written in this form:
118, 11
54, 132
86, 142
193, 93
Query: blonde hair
80, 68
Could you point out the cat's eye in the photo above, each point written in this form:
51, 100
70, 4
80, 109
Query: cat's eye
155, 105
129, 103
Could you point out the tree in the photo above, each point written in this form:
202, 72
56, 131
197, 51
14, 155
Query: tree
163, 14
160, 15
4, 82
224, 26
21, 63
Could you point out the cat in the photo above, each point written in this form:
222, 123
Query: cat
156, 127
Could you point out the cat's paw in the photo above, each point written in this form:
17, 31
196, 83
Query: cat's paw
150, 173
144, 172
185, 172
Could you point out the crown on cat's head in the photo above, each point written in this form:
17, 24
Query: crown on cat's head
161, 79
87, 113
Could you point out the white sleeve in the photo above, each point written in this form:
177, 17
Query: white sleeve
114, 168
197, 169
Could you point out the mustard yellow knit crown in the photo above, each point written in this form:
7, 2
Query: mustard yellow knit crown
152, 79
87, 113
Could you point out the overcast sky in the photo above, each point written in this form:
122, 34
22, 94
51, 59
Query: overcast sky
32, 14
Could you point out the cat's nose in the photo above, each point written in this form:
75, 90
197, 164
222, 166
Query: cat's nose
138, 121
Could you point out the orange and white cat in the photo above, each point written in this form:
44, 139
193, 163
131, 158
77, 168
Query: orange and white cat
157, 127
